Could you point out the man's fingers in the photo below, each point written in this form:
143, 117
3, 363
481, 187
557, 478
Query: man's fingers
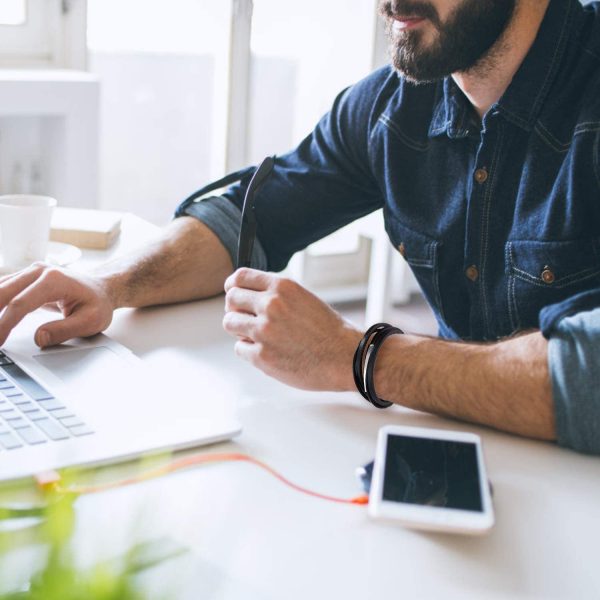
240, 299
247, 350
30, 299
14, 284
239, 324
9, 276
250, 279
80, 324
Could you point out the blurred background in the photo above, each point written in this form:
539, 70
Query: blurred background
131, 105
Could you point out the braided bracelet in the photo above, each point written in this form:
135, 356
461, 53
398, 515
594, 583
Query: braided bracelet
363, 365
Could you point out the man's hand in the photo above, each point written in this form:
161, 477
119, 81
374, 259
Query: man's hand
185, 261
289, 333
83, 300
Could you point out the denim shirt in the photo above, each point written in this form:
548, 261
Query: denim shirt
499, 219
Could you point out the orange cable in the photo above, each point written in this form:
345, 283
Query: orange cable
190, 461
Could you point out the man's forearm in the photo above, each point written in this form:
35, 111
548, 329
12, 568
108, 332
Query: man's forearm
186, 262
505, 385
292, 335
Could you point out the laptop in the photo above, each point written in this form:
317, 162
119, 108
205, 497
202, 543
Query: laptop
90, 402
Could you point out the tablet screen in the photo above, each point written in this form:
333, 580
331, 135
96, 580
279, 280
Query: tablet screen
432, 472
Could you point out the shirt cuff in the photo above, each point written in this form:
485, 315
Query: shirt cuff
553, 314
574, 365
224, 218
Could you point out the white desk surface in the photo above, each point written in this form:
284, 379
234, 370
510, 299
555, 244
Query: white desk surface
249, 537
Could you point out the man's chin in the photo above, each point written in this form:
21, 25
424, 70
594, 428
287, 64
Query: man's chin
416, 79
415, 74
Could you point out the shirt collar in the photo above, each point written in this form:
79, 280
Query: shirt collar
523, 99
525, 96
453, 113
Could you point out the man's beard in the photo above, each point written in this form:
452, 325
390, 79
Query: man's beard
461, 42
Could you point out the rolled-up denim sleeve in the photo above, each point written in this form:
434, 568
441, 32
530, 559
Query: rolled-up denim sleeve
574, 363
326, 182
223, 218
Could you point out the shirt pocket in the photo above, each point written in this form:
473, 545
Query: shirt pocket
422, 255
543, 273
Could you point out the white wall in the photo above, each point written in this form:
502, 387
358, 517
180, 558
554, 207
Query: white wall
155, 130
273, 103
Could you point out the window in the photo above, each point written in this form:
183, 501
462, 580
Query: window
303, 55
32, 33
163, 67
13, 12
158, 64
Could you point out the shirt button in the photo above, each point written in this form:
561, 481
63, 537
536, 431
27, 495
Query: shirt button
472, 273
481, 175
548, 276
402, 249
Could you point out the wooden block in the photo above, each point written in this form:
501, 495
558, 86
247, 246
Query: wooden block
85, 228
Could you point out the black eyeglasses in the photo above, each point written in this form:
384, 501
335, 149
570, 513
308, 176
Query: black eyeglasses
248, 226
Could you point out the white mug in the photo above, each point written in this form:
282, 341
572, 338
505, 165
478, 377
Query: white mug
25, 229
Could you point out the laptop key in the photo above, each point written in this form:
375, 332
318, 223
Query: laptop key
70, 421
28, 407
13, 393
31, 436
19, 423
62, 413
51, 404
52, 429
26, 383
20, 399
37, 414
11, 416
80, 430
6, 385
4, 360
9, 440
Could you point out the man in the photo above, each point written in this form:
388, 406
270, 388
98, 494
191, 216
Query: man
482, 146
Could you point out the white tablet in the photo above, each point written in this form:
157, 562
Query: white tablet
431, 479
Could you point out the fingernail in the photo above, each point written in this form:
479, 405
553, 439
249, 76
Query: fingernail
43, 339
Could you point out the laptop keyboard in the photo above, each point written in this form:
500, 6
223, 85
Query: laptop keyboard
29, 414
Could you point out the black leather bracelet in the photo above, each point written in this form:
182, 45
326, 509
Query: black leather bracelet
359, 356
363, 363
369, 368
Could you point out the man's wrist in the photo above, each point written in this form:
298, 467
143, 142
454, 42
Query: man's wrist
112, 286
392, 365
350, 339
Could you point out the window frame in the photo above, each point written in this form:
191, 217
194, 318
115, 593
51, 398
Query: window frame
53, 36
231, 133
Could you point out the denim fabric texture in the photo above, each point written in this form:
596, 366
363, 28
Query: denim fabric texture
573, 352
499, 219
224, 219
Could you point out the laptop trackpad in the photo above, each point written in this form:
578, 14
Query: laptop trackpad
92, 366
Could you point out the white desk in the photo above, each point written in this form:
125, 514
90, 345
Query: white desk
252, 538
